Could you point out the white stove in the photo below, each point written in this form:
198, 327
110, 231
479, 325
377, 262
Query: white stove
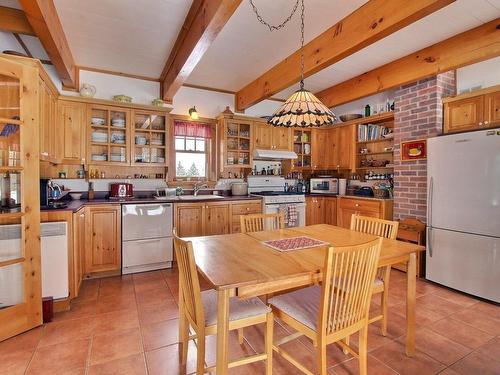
276, 199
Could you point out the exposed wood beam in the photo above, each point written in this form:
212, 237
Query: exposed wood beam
373, 21
15, 21
206, 19
467, 48
43, 18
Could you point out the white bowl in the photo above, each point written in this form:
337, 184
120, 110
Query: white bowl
75, 196
98, 121
140, 140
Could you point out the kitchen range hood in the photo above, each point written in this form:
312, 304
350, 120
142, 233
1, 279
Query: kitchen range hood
260, 154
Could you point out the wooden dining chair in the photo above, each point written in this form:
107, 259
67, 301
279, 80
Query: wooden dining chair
381, 228
338, 308
198, 310
257, 222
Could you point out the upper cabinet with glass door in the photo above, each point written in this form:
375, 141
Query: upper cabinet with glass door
149, 138
109, 135
237, 142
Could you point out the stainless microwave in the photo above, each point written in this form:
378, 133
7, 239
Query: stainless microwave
324, 185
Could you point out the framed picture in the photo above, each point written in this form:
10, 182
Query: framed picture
414, 150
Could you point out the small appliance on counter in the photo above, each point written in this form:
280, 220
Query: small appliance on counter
239, 188
121, 190
324, 185
51, 194
364, 191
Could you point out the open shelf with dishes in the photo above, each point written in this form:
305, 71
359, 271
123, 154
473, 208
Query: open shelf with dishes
375, 147
149, 140
302, 147
109, 135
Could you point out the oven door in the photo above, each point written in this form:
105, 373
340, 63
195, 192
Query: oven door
299, 207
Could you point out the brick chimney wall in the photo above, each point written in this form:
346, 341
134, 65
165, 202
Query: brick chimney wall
418, 115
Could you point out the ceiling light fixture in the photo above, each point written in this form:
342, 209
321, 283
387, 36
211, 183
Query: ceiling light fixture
302, 109
193, 113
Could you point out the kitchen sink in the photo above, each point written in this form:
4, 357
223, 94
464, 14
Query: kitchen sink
200, 197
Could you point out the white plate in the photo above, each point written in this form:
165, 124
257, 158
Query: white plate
99, 157
97, 121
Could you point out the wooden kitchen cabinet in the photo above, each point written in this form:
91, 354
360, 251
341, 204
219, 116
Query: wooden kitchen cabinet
48, 110
103, 239
321, 149
472, 111
70, 135
345, 150
270, 137
315, 210
236, 136
330, 204
217, 218
78, 249
243, 208
188, 219
377, 208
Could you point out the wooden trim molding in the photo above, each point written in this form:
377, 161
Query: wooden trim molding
223, 91
211, 16
43, 18
469, 47
371, 22
15, 21
115, 73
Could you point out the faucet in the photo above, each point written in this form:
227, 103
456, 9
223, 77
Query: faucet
197, 187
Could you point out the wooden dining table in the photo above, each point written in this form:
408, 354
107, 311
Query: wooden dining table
242, 265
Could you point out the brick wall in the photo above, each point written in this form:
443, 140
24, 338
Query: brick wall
418, 115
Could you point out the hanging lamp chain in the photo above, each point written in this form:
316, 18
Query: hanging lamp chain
302, 45
282, 24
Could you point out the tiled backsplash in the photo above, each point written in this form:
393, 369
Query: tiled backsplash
103, 184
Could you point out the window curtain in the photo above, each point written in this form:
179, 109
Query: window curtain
192, 129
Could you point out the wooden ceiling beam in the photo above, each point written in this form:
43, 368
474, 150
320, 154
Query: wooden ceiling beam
469, 47
204, 21
373, 21
15, 21
43, 18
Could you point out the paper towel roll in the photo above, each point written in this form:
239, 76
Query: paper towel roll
342, 186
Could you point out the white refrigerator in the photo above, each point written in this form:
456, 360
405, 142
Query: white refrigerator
463, 212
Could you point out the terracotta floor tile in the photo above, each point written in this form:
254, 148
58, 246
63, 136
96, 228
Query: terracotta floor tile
461, 333
14, 362
153, 284
424, 316
67, 331
236, 350
116, 281
153, 313
479, 321
351, 367
153, 296
58, 359
490, 349
152, 275
438, 305
24, 342
131, 365
425, 287
116, 321
375, 338
456, 297
449, 371
394, 356
160, 334
84, 309
477, 364
115, 303
488, 309
165, 361
126, 290
438, 347
115, 345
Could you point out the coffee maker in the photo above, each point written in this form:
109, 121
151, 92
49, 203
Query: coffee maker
50, 192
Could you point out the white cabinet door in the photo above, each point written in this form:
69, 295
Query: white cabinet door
147, 252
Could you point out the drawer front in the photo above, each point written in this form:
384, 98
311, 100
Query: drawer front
360, 205
247, 208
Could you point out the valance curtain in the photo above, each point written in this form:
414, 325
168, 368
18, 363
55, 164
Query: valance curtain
192, 129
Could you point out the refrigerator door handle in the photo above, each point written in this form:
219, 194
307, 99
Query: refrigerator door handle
429, 241
429, 213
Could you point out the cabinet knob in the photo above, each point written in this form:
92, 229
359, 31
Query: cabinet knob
357, 204
481, 123
486, 123
248, 208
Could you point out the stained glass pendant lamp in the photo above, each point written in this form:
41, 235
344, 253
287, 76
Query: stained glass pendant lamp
303, 109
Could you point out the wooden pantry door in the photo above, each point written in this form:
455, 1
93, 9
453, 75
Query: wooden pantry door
20, 286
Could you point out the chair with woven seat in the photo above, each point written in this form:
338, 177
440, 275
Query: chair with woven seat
260, 222
198, 311
338, 308
381, 228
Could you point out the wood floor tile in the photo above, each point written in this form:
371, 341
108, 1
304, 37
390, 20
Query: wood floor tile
131, 365
115, 345
461, 332
64, 358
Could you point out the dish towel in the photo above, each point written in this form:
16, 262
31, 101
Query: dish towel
292, 215
283, 209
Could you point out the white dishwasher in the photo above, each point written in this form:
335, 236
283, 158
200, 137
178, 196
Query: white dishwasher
147, 242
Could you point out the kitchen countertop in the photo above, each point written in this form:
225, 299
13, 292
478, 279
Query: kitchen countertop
75, 205
348, 196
